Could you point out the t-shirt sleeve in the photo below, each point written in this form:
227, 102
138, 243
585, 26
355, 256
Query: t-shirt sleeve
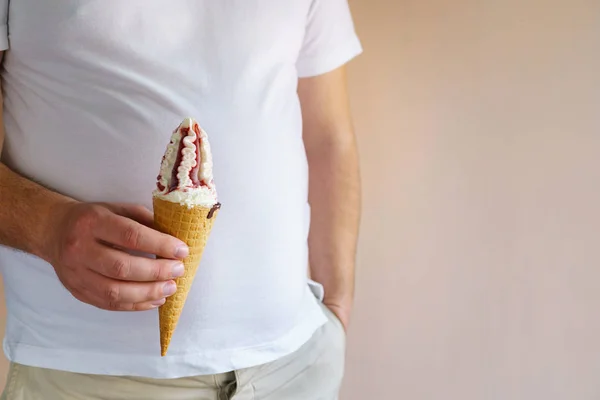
4, 24
330, 39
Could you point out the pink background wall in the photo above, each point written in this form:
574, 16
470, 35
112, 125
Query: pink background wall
479, 130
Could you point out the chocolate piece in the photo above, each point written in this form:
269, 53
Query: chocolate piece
213, 210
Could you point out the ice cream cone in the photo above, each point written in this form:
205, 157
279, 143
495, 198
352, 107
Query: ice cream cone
192, 226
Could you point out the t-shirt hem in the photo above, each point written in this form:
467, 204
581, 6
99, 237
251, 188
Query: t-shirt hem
169, 367
318, 65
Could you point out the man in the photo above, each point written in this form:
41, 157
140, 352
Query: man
92, 90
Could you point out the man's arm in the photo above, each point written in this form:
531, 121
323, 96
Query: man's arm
23, 226
82, 241
334, 187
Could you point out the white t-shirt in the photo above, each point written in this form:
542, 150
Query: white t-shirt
92, 91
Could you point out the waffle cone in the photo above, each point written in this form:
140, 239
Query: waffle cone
192, 226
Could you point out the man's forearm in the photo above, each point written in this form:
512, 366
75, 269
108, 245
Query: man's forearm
335, 200
26, 210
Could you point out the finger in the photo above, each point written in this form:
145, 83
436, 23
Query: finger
149, 305
129, 234
117, 264
97, 301
114, 293
81, 296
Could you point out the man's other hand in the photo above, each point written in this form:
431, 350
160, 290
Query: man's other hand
341, 312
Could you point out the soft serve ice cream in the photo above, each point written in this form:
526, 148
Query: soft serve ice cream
186, 172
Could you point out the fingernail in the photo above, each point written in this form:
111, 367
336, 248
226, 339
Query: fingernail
169, 289
178, 270
182, 252
159, 303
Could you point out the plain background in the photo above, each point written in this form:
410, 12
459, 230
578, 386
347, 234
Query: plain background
479, 131
479, 128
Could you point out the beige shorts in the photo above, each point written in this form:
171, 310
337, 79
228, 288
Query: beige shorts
314, 372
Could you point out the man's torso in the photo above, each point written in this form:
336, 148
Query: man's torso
92, 91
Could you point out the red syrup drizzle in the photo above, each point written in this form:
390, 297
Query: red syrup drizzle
194, 172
